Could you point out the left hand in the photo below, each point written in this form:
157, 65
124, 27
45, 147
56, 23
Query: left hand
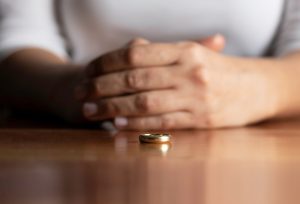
173, 86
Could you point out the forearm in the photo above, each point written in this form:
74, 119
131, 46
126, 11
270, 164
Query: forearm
282, 77
33, 79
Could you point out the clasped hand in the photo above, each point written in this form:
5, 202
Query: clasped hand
150, 86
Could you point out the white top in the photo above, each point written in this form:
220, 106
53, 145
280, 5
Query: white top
84, 29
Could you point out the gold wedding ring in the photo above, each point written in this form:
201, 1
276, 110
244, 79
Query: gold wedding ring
155, 138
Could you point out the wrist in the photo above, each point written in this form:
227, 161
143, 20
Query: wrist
280, 86
287, 86
260, 79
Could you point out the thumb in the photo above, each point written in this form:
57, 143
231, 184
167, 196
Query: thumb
216, 42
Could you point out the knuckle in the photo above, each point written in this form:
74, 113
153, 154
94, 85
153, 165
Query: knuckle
208, 121
166, 123
140, 124
191, 47
142, 78
193, 122
133, 80
212, 122
111, 108
199, 75
144, 103
132, 55
95, 88
149, 75
193, 51
137, 41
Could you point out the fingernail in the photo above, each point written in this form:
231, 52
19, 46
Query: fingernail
121, 122
80, 92
108, 126
90, 109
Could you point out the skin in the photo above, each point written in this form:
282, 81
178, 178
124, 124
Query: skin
37, 80
186, 85
154, 86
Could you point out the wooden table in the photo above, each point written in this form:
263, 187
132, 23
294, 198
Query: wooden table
47, 165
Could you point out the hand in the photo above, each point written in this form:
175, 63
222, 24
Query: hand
173, 86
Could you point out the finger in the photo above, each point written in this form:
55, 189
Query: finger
215, 43
135, 57
176, 120
147, 103
137, 41
131, 81
132, 43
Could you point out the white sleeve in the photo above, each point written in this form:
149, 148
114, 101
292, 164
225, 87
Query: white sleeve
289, 33
29, 23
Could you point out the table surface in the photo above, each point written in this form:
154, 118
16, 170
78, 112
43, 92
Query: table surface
57, 165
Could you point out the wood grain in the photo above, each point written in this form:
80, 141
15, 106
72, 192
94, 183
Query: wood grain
43, 164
